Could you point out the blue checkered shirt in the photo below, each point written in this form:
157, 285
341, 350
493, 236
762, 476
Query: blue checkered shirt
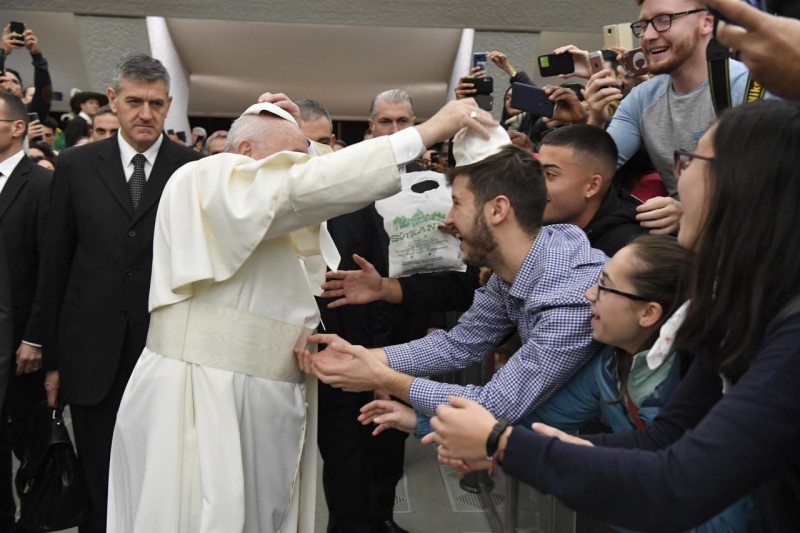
545, 303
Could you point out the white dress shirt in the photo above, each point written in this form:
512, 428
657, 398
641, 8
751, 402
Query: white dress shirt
126, 153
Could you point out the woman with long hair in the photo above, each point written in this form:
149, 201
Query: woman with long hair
731, 427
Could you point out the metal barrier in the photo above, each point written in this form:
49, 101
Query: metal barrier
560, 518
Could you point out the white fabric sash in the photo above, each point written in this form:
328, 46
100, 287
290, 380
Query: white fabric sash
224, 338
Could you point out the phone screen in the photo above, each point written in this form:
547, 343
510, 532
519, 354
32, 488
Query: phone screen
479, 59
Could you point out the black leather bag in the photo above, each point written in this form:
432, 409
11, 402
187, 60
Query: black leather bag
50, 482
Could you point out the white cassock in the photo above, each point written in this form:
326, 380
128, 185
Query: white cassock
211, 431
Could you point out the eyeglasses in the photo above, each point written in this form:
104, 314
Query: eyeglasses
681, 159
661, 23
601, 288
9, 119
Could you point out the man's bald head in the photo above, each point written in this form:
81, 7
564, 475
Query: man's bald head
260, 136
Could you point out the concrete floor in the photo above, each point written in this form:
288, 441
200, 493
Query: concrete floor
429, 500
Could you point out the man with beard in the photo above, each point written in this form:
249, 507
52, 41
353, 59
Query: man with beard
673, 109
540, 275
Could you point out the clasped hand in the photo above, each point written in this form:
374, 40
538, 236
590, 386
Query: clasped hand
341, 364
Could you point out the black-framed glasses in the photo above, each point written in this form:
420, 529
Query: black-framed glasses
661, 23
601, 288
9, 119
681, 159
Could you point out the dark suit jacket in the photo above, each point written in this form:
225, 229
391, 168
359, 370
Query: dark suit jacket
97, 265
75, 129
7, 346
23, 215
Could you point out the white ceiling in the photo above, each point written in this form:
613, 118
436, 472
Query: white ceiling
341, 66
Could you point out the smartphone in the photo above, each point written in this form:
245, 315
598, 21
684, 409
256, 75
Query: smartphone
634, 62
596, 62
617, 36
31, 117
181, 135
553, 65
19, 29
484, 101
531, 99
479, 59
482, 85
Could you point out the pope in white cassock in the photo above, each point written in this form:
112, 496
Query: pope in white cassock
216, 428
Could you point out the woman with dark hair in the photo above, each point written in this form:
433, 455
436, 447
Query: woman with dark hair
731, 427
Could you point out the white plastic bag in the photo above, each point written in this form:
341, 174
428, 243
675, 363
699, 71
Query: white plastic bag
411, 220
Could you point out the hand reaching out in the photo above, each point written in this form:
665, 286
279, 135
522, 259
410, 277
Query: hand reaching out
388, 414
353, 286
501, 60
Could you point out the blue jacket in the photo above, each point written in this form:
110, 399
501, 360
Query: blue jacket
592, 394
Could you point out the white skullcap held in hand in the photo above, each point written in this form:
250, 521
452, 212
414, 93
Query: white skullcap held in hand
469, 147
266, 107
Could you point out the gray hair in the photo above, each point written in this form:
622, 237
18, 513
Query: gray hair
139, 67
219, 134
312, 110
392, 95
105, 110
246, 127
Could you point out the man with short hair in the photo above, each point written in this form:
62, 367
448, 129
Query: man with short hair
579, 162
49, 128
216, 142
24, 199
390, 112
98, 262
237, 254
671, 110
105, 124
346, 446
540, 276
315, 121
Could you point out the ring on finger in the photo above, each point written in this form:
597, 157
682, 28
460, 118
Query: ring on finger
474, 115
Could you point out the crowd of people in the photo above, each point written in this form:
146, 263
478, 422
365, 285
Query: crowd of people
210, 307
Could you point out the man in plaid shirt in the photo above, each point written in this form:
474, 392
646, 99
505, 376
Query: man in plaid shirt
540, 276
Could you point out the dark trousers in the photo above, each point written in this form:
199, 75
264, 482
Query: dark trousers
24, 393
94, 428
359, 471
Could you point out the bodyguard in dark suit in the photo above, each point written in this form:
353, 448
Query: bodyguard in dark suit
24, 196
6, 321
98, 262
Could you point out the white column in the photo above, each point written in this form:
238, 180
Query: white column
163, 49
463, 61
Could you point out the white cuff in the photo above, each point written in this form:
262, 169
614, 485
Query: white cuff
407, 145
